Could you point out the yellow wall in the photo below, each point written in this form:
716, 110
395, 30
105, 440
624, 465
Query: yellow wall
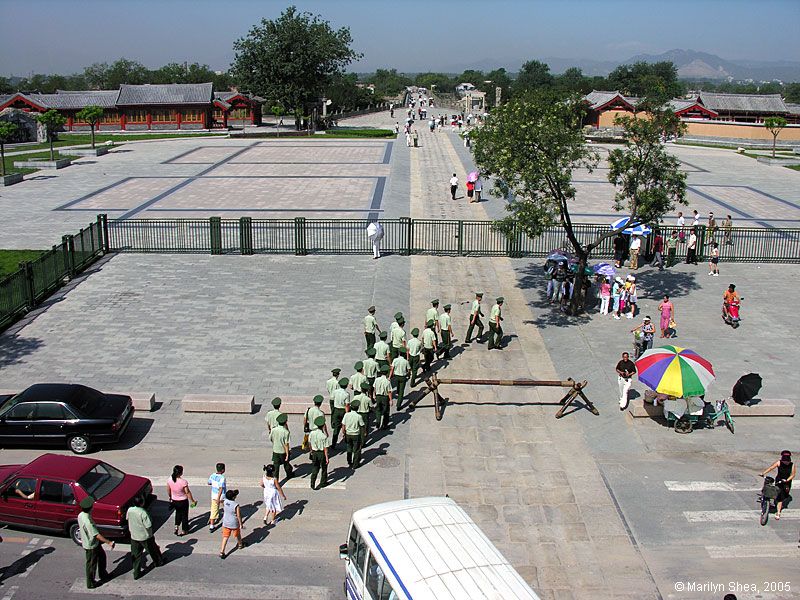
606, 118
722, 129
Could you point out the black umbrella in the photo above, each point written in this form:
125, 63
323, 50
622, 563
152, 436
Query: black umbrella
746, 388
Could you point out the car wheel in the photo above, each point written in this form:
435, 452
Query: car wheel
74, 532
79, 444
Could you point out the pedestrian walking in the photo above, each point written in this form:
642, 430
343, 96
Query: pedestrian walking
691, 248
398, 339
646, 330
340, 401
382, 349
273, 494
414, 346
92, 541
281, 439
631, 295
635, 246
415, 138
375, 235
271, 417
453, 186
357, 378
658, 251
680, 223
218, 485
672, 248
370, 326
695, 219
318, 440
332, 385
408, 139
446, 329
470, 190
429, 344
311, 416
495, 329
713, 261
616, 296
365, 406
620, 247
667, 321
371, 368
352, 426
711, 227
626, 369
180, 496
231, 521
475, 315
140, 527
478, 189
605, 295
432, 314
399, 374
383, 398
727, 230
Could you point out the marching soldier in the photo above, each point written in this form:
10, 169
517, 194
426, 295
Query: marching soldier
332, 385
495, 329
365, 405
429, 344
318, 440
272, 416
399, 372
414, 351
475, 319
92, 541
397, 317
446, 328
383, 398
357, 378
280, 447
370, 369
312, 413
382, 350
352, 429
370, 325
340, 401
399, 339
432, 314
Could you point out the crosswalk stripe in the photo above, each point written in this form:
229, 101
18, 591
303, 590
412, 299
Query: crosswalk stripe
246, 483
772, 551
709, 486
191, 589
720, 516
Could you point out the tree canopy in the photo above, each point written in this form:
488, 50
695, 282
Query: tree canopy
51, 120
90, 114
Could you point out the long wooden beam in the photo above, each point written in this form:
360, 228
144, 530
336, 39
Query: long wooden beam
569, 383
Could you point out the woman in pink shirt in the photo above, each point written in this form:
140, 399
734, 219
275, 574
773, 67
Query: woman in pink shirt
180, 496
605, 296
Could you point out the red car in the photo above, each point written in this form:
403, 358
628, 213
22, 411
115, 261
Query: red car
44, 494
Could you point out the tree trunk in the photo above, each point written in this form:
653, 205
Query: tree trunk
774, 141
50, 139
578, 302
91, 125
2, 159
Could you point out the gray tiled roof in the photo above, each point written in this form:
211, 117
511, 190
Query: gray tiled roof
173, 93
225, 96
751, 103
598, 98
79, 99
794, 109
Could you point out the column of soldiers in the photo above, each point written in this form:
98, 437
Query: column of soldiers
381, 377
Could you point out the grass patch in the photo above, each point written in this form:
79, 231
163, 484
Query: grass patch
10, 259
793, 167
359, 133
10, 160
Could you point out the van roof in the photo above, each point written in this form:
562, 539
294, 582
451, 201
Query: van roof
429, 548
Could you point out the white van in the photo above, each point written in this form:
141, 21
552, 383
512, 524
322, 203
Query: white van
425, 549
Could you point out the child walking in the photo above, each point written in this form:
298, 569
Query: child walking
273, 492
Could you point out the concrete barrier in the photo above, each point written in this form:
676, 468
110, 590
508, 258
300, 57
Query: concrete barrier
142, 401
217, 403
768, 407
297, 405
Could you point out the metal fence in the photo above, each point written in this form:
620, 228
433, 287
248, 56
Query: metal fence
29, 286
301, 236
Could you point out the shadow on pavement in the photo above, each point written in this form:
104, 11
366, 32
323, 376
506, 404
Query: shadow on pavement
14, 348
21, 565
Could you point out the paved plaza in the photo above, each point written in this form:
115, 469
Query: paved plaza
584, 507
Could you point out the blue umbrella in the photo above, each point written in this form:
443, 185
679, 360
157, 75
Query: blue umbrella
559, 256
604, 269
633, 229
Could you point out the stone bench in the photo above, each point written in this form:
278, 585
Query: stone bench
218, 403
142, 401
768, 407
297, 405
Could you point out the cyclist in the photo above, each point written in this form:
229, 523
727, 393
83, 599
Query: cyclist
729, 297
783, 480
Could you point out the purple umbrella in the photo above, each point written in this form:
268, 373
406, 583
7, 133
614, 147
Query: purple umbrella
604, 269
473, 177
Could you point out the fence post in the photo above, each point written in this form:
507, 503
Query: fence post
246, 235
701, 242
215, 224
513, 243
460, 238
406, 235
300, 236
30, 290
102, 228
69, 254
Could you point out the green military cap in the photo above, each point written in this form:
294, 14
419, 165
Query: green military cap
318, 399
355, 404
415, 331
401, 321
384, 335
276, 402
87, 503
430, 323
364, 386
371, 352
319, 421
281, 419
398, 315
435, 301
358, 366
336, 371
384, 368
344, 382
447, 306
479, 294
500, 300
371, 309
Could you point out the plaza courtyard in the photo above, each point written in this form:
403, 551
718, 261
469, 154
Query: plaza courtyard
584, 507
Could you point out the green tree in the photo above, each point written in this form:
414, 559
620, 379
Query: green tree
344, 93
774, 125
278, 111
5, 86
90, 114
573, 80
52, 120
792, 92
496, 79
126, 71
293, 59
658, 81
7, 133
388, 82
96, 76
533, 75
440, 82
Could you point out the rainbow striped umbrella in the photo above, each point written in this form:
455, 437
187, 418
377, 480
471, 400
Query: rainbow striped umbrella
675, 371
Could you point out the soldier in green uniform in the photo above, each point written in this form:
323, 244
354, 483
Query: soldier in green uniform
475, 319
365, 405
429, 344
340, 401
318, 440
332, 385
280, 447
495, 329
272, 416
352, 429
357, 377
371, 369
383, 398
397, 317
310, 421
92, 540
370, 325
399, 339
432, 314
446, 329
382, 349
414, 351
399, 372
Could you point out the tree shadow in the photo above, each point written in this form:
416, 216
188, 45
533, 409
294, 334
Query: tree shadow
24, 563
14, 348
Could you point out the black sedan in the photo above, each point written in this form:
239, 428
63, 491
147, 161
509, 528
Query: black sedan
54, 414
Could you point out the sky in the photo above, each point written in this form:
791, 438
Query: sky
64, 36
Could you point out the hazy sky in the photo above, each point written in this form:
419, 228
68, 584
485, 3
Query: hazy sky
63, 36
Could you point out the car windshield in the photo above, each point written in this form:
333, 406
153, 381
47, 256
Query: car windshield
101, 480
9, 402
86, 400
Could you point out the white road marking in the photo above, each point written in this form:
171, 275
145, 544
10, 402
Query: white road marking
11, 591
788, 550
48, 542
199, 483
720, 516
191, 589
709, 486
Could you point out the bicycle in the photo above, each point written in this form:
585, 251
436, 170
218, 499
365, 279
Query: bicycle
769, 492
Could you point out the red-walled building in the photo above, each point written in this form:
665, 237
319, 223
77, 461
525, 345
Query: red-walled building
148, 107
